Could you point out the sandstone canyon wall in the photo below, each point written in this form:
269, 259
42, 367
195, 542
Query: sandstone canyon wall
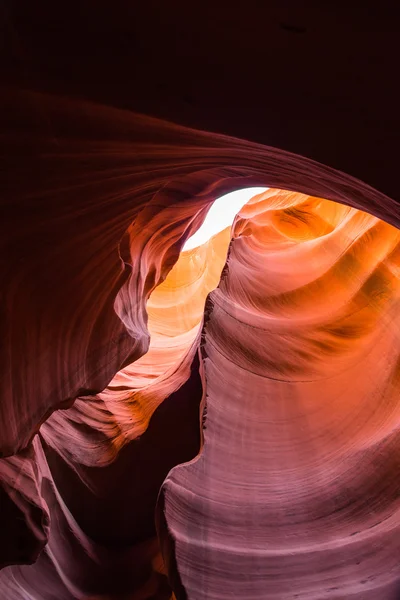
277, 412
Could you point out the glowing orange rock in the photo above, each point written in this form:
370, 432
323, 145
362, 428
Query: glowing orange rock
301, 346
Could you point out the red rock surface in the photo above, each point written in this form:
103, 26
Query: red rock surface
294, 491
294, 494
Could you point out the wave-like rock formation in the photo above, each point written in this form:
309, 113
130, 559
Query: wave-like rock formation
295, 493
259, 406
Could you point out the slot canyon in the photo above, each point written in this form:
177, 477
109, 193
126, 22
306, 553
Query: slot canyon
187, 417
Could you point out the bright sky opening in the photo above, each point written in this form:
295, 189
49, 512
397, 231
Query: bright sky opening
221, 215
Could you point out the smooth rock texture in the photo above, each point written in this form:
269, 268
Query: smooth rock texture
104, 391
294, 494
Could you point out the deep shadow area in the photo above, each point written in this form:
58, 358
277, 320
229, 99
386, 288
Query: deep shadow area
123, 512
314, 78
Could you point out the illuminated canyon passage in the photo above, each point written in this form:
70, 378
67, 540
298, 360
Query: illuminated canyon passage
189, 418
270, 391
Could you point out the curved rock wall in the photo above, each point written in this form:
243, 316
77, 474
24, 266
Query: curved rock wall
295, 492
296, 482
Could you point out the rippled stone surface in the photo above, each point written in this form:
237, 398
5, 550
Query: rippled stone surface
292, 489
295, 492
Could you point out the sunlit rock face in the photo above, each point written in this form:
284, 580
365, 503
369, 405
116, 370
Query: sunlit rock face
95, 429
119, 346
294, 494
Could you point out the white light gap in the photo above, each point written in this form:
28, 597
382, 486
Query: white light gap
221, 214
